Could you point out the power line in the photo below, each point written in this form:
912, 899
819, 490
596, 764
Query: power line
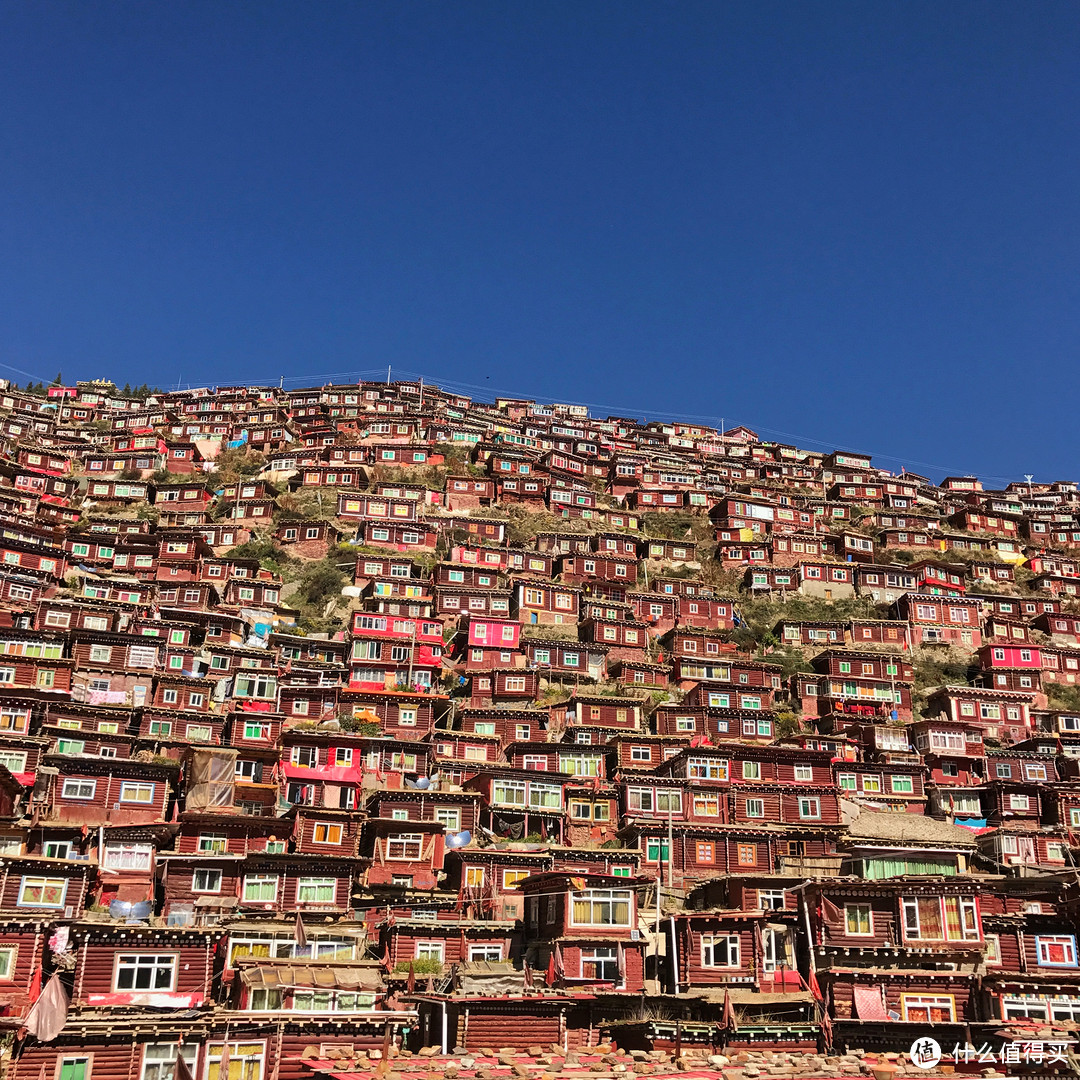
802, 440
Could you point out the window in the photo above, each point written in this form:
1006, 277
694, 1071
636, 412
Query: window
545, 796
492, 953
75, 1068
940, 918
601, 907
128, 856
804, 773
508, 792
324, 833
809, 808
927, 1009
42, 892
13, 760
705, 768
580, 764
78, 789
316, 890
846, 781
430, 950
657, 851
405, 847
640, 753
720, 950
260, 888
212, 844
142, 656
654, 799
159, 1060
1057, 951
305, 756
902, 785
858, 920
145, 971
600, 963
206, 880
747, 854
8, 962
751, 770
136, 791
705, 852
755, 808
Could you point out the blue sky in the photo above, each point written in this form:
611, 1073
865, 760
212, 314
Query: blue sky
843, 224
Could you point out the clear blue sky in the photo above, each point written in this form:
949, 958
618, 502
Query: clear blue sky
845, 224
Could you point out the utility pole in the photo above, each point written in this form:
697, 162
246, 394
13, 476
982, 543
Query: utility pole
387, 374
412, 651
670, 848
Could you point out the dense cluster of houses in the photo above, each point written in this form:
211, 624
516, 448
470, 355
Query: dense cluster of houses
540, 787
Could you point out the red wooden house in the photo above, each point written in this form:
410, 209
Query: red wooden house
580, 925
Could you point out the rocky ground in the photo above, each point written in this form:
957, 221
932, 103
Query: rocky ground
553, 1063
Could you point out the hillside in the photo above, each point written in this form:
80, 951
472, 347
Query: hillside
375, 718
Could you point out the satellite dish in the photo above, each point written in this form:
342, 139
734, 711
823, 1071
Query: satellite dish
421, 783
459, 839
130, 910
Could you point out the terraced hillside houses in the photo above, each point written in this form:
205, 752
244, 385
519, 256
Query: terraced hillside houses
371, 714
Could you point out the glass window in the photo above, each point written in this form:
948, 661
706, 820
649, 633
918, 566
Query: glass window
145, 971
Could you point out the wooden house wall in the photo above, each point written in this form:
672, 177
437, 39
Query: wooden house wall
481, 1025
238, 841
289, 888
1009, 949
634, 964
456, 940
96, 964
11, 883
304, 835
883, 924
116, 1058
28, 939
105, 805
843, 992
693, 972
177, 883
